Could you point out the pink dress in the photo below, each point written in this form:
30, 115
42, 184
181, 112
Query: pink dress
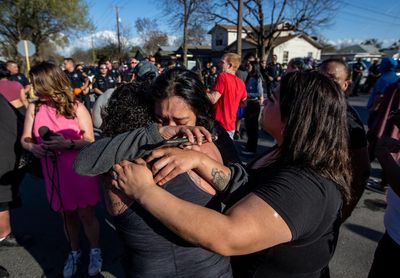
66, 190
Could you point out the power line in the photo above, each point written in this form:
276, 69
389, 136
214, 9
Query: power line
375, 11
371, 19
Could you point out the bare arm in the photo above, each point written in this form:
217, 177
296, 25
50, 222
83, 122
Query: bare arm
23, 98
251, 225
172, 162
28, 143
214, 96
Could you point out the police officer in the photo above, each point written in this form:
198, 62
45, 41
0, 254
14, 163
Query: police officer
273, 74
113, 72
78, 82
103, 81
15, 75
129, 74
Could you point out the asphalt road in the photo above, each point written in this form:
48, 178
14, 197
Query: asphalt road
44, 255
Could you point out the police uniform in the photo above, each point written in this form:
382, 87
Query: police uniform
114, 74
77, 80
103, 83
19, 77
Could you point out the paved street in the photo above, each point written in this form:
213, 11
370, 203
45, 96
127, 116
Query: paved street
45, 255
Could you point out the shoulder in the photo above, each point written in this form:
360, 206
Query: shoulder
295, 193
296, 184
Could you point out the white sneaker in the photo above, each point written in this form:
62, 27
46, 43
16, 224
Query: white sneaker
71, 264
95, 262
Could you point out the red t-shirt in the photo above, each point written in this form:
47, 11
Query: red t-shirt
10, 89
232, 90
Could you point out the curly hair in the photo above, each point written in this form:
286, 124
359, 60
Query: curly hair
315, 135
188, 86
52, 86
127, 109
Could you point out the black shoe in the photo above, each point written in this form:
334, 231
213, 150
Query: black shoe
9, 241
3, 272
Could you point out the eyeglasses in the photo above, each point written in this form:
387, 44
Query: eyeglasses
103, 68
134, 62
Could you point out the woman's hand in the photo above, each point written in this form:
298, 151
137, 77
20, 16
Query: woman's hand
37, 150
171, 162
56, 142
195, 134
132, 178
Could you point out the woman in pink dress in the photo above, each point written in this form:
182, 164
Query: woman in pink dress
56, 128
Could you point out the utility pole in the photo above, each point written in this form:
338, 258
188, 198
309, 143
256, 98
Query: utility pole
118, 37
239, 28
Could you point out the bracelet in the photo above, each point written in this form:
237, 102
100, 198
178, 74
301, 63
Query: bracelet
71, 145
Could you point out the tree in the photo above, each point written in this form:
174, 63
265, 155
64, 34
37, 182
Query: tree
181, 14
196, 34
266, 20
44, 22
152, 37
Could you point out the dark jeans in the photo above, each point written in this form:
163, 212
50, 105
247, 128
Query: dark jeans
386, 258
251, 115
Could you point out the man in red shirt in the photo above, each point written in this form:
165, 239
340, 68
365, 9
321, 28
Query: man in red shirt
228, 92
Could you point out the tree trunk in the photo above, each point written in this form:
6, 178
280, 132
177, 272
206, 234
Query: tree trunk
185, 46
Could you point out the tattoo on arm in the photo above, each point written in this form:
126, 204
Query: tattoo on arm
220, 179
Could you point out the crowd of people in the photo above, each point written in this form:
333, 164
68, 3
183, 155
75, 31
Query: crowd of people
156, 145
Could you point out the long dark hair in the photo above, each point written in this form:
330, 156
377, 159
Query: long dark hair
188, 86
315, 135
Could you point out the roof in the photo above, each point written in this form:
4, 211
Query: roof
246, 28
359, 48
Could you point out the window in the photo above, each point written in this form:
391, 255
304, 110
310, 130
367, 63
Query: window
218, 42
285, 57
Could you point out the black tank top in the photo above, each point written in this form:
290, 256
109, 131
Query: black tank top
151, 250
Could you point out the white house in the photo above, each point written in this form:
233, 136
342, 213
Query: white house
288, 45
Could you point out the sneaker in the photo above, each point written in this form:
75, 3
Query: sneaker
71, 264
96, 262
9, 241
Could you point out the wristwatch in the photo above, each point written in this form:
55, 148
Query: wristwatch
71, 145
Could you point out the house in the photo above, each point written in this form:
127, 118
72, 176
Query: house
289, 44
352, 52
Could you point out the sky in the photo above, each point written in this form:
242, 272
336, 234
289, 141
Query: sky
355, 21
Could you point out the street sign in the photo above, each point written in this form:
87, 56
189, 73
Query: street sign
26, 48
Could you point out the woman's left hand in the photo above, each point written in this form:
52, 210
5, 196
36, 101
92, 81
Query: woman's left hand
56, 142
171, 162
132, 178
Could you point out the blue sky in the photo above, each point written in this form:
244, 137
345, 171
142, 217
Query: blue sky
356, 20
